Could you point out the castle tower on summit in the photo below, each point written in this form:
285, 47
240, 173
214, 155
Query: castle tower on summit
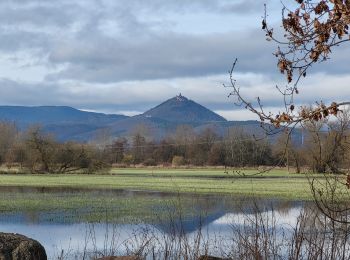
180, 98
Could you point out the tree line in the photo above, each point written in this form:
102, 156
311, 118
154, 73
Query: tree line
187, 147
35, 151
324, 148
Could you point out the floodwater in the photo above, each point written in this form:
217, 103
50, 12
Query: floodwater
68, 232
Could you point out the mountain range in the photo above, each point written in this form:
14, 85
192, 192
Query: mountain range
68, 123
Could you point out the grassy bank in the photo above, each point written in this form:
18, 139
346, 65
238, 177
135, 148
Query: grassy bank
274, 184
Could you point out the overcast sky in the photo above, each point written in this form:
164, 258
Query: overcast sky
126, 56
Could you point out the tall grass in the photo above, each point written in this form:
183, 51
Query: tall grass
257, 234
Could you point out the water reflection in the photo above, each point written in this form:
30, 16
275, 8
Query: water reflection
62, 230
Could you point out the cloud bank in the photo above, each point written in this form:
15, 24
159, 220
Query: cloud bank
127, 56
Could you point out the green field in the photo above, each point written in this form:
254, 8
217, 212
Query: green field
274, 184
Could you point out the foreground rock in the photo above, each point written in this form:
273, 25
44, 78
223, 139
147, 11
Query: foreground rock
19, 247
208, 257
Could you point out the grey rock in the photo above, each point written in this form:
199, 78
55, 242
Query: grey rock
19, 247
208, 257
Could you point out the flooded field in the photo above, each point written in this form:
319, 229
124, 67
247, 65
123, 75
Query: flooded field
70, 222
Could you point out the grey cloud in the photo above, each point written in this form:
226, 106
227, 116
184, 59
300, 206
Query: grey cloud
161, 5
90, 53
23, 40
94, 98
21, 93
37, 16
64, 13
238, 7
104, 59
138, 52
140, 96
338, 62
32, 22
244, 7
91, 97
139, 6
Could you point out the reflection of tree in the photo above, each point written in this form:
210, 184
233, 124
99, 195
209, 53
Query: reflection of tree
189, 214
283, 207
32, 217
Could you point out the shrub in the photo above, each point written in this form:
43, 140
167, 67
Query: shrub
128, 159
178, 160
150, 162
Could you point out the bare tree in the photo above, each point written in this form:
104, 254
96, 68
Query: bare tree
311, 30
138, 148
118, 148
41, 150
325, 143
184, 136
43, 154
243, 149
289, 153
8, 136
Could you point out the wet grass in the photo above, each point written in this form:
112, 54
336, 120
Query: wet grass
273, 184
76, 206
79, 207
109, 196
